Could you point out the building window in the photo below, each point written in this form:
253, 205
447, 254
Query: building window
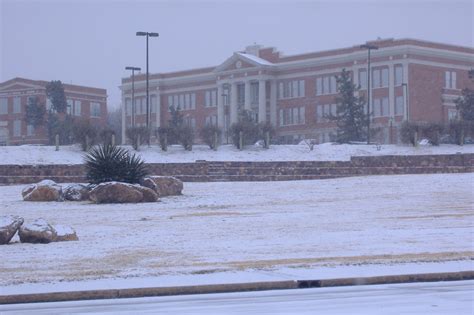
78, 108
399, 106
193, 100
384, 82
17, 128
190, 122
398, 75
292, 116
450, 80
211, 120
153, 104
323, 111
254, 93
380, 107
95, 109
210, 98
363, 78
49, 104
69, 106
30, 130
326, 85
16, 105
452, 114
291, 89
3, 106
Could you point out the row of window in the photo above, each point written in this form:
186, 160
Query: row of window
292, 116
74, 107
184, 101
291, 89
450, 80
140, 105
17, 127
210, 99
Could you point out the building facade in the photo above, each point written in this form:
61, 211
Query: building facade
82, 102
410, 80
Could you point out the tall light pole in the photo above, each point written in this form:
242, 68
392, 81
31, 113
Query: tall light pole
369, 47
147, 34
133, 91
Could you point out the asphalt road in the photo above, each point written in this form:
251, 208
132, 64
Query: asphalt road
414, 298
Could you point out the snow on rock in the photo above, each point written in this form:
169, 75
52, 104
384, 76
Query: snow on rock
164, 185
9, 225
76, 192
39, 231
65, 233
45, 190
117, 192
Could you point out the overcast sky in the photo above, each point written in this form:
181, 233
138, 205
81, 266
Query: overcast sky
91, 42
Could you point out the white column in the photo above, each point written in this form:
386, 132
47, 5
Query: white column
233, 103
247, 104
262, 101
273, 102
220, 106
124, 109
391, 90
158, 108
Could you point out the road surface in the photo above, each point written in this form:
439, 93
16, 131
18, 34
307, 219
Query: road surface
414, 298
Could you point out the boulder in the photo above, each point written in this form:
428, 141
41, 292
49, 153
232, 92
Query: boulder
76, 192
65, 233
115, 192
39, 231
45, 190
149, 195
9, 224
164, 185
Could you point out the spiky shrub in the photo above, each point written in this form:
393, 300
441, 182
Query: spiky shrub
111, 163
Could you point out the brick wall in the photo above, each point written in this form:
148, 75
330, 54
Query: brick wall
203, 171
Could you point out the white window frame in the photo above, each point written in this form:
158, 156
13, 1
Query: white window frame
17, 105
3, 106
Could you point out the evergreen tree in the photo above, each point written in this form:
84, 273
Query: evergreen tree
465, 105
174, 124
350, 117
35, 112
55, 93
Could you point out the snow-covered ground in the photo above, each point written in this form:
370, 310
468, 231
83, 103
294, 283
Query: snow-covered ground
243, 231
29, 154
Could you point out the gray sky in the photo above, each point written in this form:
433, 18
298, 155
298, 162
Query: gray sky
90, 42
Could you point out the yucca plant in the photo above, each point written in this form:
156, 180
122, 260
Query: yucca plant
107, 163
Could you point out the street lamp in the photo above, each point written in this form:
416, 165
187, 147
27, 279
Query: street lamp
147, 34
369, 47
133, 91
405, 88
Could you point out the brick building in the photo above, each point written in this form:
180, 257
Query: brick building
85, 102
411, 80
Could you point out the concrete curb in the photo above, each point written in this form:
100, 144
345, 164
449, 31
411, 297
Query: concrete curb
228, 288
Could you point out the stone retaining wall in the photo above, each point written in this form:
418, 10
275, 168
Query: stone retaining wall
202, 171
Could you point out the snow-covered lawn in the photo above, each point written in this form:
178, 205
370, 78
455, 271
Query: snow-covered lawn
273, 228
28, 154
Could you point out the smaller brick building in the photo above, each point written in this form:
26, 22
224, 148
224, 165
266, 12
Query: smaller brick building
83, 102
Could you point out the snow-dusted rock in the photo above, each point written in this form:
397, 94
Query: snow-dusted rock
76, 192
39, 231
117, 192
149, 195
45, 190
164, 185
9, 224
65, 233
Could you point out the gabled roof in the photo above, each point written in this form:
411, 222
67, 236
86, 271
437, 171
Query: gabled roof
249, 59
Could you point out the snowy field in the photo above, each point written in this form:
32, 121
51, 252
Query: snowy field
263, 231
29, 154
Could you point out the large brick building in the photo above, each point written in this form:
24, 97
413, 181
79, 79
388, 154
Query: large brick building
411, 80
84, 102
